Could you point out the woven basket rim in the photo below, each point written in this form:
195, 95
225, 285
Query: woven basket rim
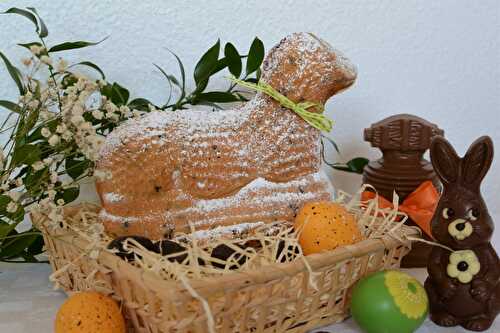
236, 280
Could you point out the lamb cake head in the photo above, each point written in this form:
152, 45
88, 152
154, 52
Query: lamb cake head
230, 169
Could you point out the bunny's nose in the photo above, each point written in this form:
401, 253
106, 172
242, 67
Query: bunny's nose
460, 229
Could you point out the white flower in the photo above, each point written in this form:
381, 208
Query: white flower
54, 177
61, 128
5, 187
38, 165
80, 84
124, 109
26, 61
67, 135
45, 115
97, 114
463, 265
48, 161
15, 195
46, 132
19, 182
51, 194
113, 117
110, 107
12, 207
54, 140
33, 104
35, 49
60, 202
101, 84
77, 120
62, 65
136, 113
46, 60
86, 126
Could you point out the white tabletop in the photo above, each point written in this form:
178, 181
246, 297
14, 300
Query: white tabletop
29, 304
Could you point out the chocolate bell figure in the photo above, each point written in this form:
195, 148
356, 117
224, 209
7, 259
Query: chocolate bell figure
463, 285
403, 140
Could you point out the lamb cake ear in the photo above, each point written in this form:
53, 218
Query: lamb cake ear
445, 160
477, 161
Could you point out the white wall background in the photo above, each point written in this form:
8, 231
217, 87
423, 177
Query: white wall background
436, 59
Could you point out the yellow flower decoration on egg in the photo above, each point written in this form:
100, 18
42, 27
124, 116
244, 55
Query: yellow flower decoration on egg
460, 229
408, 294
463, 265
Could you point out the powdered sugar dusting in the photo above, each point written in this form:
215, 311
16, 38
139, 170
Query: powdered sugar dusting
113, 197
190, 122
221, 231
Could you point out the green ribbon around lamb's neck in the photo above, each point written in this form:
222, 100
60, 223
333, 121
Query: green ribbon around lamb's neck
316, 120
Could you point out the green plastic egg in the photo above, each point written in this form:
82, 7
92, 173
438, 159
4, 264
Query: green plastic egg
389, 302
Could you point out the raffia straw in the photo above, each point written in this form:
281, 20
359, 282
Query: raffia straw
429, 242
203, 301
316, 120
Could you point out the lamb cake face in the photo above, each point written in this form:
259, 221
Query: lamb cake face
204, 168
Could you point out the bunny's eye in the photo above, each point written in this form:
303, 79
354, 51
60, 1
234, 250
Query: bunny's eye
473, 214
448, 213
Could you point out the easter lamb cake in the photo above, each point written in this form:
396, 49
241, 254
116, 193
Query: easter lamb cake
204, 168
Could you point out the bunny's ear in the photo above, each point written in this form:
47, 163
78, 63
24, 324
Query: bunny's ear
477, 161
445, 160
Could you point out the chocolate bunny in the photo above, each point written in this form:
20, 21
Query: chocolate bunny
463, 285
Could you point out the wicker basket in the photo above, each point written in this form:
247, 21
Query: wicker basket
278, 298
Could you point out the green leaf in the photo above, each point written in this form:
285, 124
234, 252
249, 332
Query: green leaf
73, 45
217, 97
69, 80
36, 247
37, 133
68, 195
10, 106
207, 63
200, 86
43, 32
26, 154
15, 74
119, 94
252, 80
76, 166
233, 59
333, 143
141, 104
13, 248
174, 80
91, 65
29, 45
215, 106
33, 181
356, 165
255, 56
183, 78
6, 228
24, 13
169, 82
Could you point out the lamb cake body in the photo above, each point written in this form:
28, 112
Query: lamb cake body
208, 168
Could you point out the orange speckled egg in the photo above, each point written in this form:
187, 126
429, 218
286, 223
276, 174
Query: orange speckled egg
89, 312
324, 226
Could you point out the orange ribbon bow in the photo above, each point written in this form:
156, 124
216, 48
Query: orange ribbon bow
419, 205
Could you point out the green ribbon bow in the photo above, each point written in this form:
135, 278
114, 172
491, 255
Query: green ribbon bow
316, 120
